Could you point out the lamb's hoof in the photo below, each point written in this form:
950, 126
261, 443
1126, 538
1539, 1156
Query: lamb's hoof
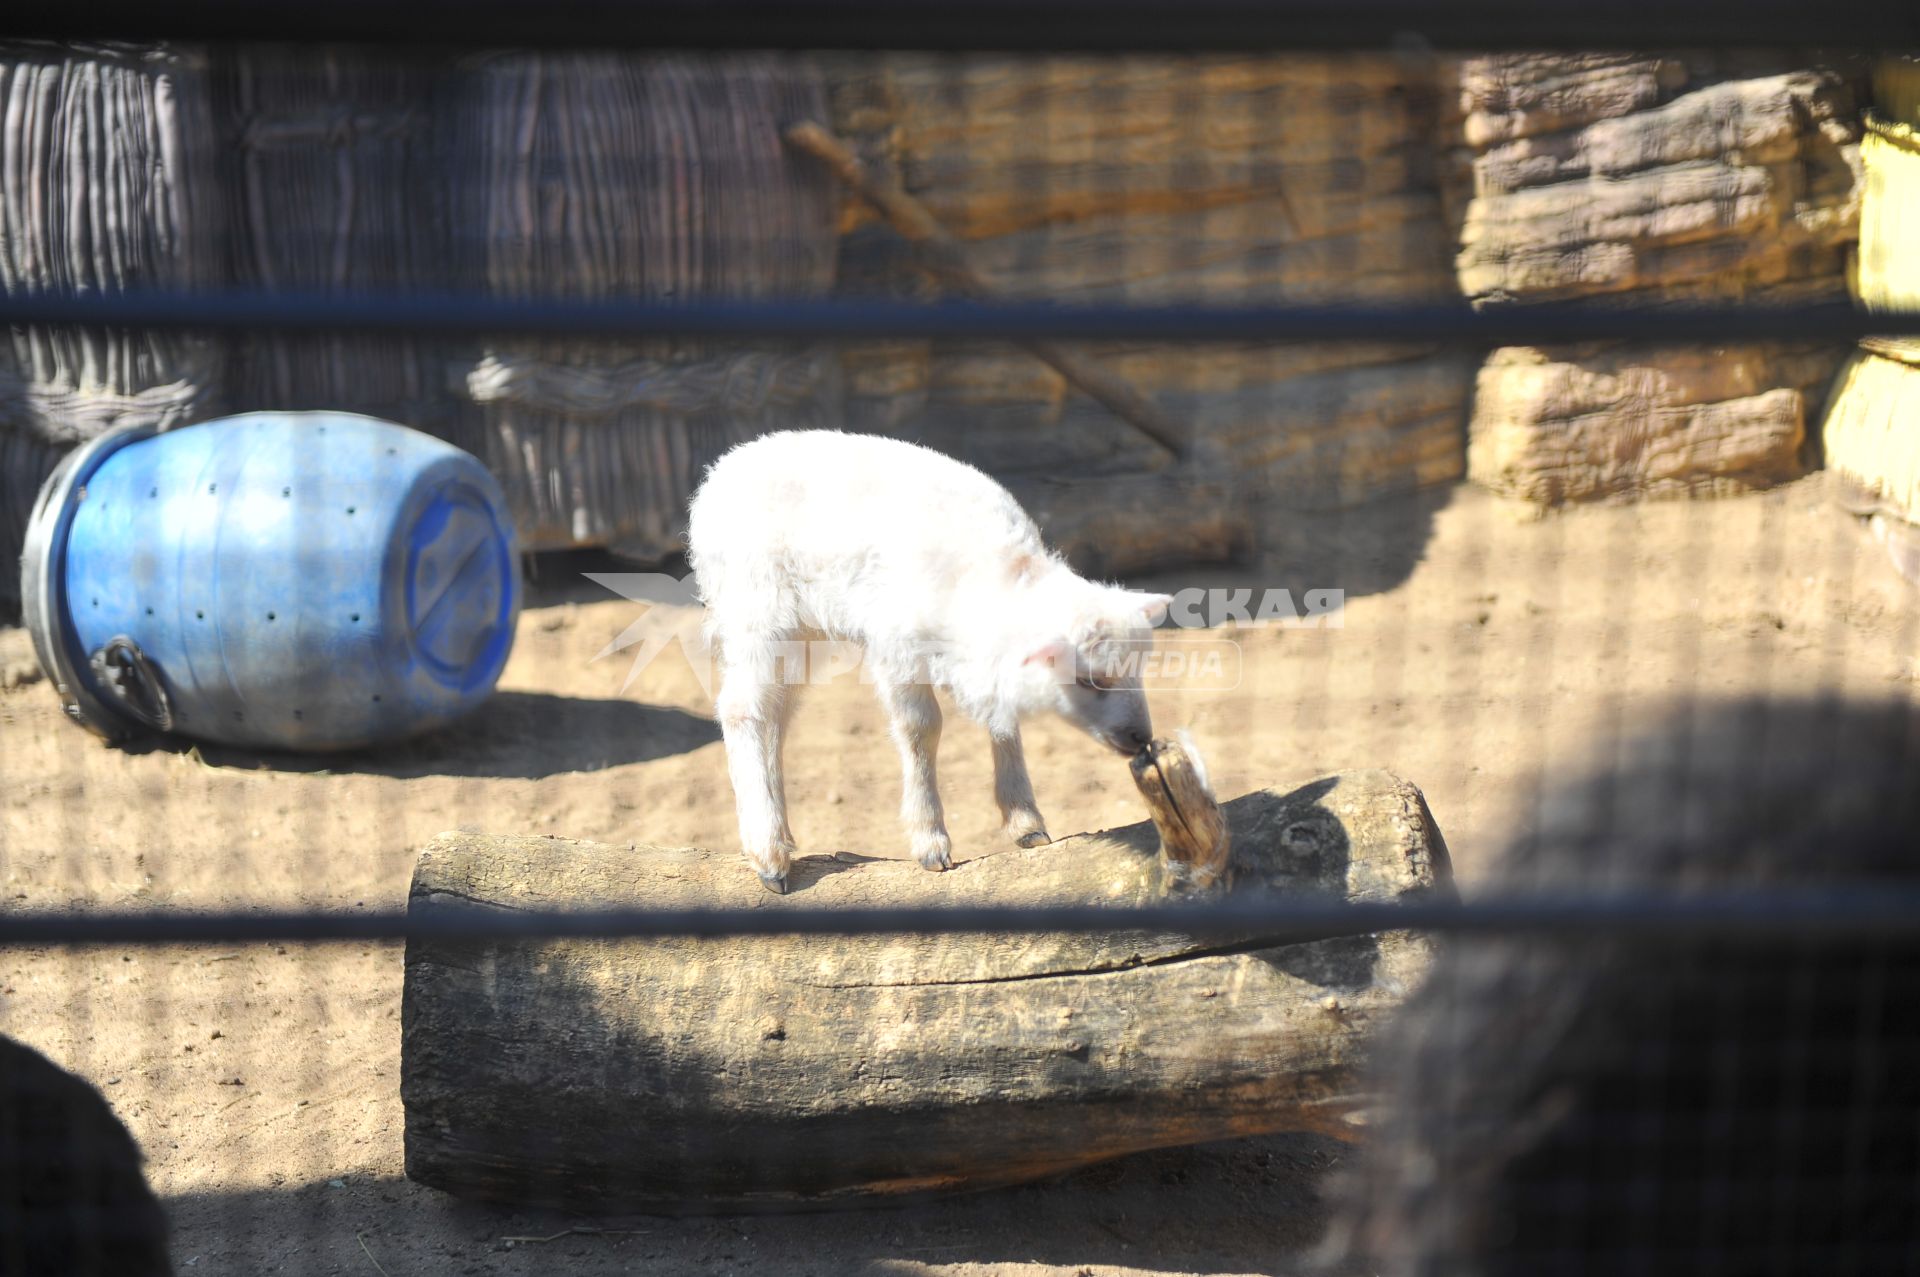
935, 854
1033, 838
776, 883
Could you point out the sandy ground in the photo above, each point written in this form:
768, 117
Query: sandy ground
1478, 652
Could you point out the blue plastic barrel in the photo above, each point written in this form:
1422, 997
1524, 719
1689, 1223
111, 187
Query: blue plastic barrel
307, 580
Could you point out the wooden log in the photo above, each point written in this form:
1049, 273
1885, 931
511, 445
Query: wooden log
1194, 835
792, 1072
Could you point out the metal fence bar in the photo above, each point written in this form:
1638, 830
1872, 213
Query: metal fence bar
860, 318
1875, 911
1146, 26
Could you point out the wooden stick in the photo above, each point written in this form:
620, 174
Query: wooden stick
1195, 841
943, 257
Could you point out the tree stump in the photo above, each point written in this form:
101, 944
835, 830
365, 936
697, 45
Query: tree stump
790, 1072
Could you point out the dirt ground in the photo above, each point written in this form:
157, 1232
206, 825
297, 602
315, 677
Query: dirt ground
1479, 651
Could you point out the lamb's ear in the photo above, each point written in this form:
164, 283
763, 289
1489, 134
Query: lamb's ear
1149, 608
1056, 655
1023, 567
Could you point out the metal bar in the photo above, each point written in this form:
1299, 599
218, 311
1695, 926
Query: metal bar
813, 319
1145, 26
1875, 911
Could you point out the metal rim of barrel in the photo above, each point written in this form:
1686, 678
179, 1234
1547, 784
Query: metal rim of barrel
43, 593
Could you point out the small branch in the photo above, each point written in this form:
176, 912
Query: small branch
1195, 841
362, 1239
942, 256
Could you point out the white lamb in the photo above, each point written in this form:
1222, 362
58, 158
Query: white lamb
940, 576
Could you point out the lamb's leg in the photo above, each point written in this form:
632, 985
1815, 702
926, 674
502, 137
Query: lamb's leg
753, 705
1013, 791
915, 715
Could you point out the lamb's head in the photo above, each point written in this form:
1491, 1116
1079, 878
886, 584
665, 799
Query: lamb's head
1087, 667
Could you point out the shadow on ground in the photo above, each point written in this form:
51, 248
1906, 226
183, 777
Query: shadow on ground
556, 577
514, 735
1367, 549
1240, 1206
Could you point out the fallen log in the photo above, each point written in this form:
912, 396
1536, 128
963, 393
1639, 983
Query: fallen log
791, 1072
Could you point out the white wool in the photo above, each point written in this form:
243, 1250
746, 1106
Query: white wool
935, 571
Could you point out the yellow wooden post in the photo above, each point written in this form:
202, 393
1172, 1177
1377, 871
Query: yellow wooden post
1872, 428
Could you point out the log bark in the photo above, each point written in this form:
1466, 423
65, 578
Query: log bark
789, 1072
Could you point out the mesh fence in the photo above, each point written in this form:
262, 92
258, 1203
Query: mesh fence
1557, 686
